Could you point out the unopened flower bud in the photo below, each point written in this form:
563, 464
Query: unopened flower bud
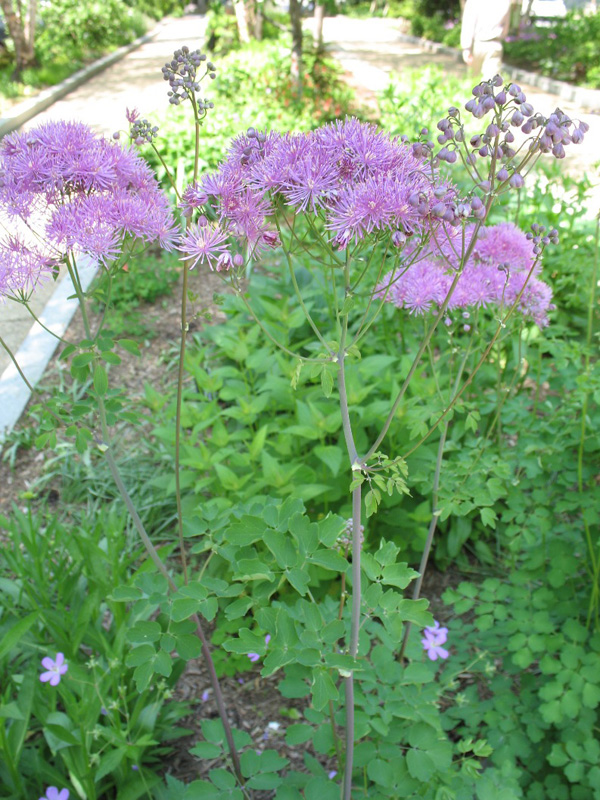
516, 181
502, 174
238, 260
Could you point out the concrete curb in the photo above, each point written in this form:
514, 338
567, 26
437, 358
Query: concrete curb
39, 346
588, 99
24, 111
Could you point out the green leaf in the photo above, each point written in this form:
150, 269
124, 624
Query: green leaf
16, 633
329, 559
188, 646
399, 575
381, 772
326, 382
420, 765
591, 695
109, 763
323, 689
331, 456
140, 655
82, 360
206, 750
144, 631
11, 711
282, 548
100, 380
298, 734
183, 608
130, 345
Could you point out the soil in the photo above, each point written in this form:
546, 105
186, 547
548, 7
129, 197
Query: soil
253, 702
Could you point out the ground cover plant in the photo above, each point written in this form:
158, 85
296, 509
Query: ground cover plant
400, 311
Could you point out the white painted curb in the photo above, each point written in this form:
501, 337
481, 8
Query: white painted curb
39, 346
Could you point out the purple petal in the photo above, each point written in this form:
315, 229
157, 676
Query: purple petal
267, 638
46, 676
52, 793
253, 656
47, 662
54, 681
63, 794
60, 659
442, 652
63, 668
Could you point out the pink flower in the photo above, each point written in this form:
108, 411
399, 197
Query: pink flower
52, 793
255, 656
435, 637
54, 672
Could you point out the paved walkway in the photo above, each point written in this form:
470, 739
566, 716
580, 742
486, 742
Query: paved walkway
369, 50
135, 81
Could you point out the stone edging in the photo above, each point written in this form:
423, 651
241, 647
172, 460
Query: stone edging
586, 98
39, 346
22, 112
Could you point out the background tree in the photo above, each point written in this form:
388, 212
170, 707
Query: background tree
20, 19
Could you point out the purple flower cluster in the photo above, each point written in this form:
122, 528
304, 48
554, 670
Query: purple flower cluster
354, 178
65, 190
433, 638
496, 273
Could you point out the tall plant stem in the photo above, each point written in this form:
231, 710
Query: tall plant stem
179, 403
151, 550
181, 366
594, 599
434, 501
356, 553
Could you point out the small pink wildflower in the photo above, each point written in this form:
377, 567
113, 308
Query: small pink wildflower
435, 637
55, 669
52, 793
254, 657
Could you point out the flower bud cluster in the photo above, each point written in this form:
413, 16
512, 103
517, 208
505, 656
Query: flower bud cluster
142, 131
540, 238
344, 540
182, 74
510, 111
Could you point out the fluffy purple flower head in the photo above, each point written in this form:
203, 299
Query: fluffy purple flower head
54, 670
352, 179
52, 793
203, 244
64, 190
434, 637
501, 260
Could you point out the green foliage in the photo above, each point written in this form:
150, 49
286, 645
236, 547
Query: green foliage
88, 731
537, 679
418, 98
568, 50
75, 30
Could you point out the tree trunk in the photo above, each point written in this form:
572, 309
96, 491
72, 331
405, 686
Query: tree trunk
296, 23
30, 22
319, 16
21, 35
258, 22
242, 17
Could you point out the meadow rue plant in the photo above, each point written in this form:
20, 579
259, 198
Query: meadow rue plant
369, 219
